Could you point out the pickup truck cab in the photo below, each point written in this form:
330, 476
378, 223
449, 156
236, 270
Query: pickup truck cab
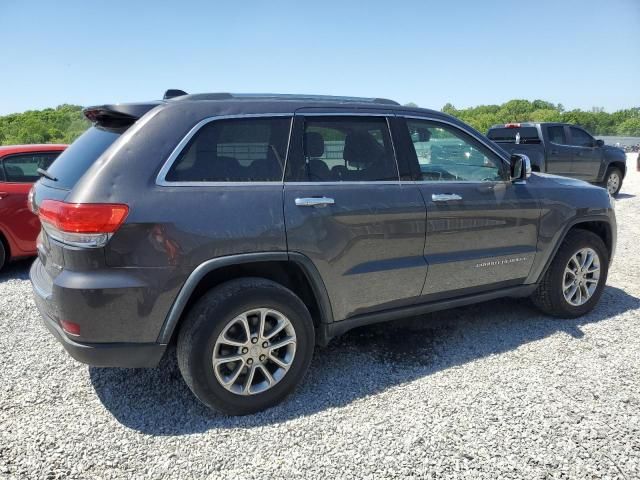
18, 171
563, 149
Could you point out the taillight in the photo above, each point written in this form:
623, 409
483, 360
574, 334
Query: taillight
512, 125
88, 225
71, 328
30, 200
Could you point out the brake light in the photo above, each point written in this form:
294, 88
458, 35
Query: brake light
30, 200
82, 224
512, 125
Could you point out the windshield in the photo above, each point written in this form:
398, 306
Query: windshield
69, 167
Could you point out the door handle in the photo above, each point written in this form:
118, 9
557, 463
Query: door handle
315, 202
445, 197
554, 152
3, 194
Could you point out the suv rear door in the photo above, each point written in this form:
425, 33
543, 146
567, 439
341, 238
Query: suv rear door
482, 229
346, 210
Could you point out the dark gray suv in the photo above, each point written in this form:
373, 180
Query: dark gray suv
248, 228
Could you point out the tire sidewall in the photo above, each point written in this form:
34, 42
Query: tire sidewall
213, 313
3, 254
587, 240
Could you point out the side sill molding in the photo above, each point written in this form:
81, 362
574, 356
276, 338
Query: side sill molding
338, 328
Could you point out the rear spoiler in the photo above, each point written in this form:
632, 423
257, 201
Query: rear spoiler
119, 114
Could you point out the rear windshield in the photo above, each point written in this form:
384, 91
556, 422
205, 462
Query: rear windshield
509, 135
76, 160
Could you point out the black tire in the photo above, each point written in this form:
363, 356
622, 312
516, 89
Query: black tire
610, 172
549, 296
206, 321
3, 254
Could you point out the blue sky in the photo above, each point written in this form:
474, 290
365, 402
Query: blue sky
581, 53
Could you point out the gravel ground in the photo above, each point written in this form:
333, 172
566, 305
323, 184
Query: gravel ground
490, 391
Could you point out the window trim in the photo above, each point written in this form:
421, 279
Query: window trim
387, 116
505, 164
161, 180
4, 177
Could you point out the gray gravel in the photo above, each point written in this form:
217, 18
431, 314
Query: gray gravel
491, 391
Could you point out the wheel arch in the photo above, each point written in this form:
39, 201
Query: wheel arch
600, 225
292, 270
619, 165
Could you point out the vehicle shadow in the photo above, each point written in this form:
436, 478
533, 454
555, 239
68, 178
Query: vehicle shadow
624, 196
18, 270
361, 363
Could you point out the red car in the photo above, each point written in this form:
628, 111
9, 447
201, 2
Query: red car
19, 227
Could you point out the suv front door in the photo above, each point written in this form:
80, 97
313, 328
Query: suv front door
587, 156
482, 229
346, 210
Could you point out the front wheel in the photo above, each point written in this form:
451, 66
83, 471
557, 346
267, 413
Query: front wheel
575, 280
613, 181
245, 345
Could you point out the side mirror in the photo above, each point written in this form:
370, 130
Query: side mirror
520, 168
599, 143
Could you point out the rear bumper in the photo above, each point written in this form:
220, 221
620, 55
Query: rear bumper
128, 355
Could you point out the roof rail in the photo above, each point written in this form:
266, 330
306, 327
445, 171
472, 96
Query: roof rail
280, 96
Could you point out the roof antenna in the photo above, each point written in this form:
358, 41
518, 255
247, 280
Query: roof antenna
173, 92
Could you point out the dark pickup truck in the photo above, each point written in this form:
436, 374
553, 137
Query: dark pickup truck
562, 149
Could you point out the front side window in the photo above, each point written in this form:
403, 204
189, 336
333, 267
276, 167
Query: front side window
556, 135
580, 138
234, 150
447, 154
23, 168
347, 149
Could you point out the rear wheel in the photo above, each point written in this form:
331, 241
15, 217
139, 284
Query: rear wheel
245, 345
613, 181
575, 280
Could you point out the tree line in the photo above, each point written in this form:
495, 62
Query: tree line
65, 123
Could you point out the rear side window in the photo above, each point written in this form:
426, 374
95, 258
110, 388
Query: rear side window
514, 135
76, 160
339, 149
556, 135
23, 167
235, 150
580, 138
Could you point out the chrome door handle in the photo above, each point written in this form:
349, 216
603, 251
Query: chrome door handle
315, 202
445, 197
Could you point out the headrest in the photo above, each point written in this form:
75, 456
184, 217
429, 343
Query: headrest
313, 144
361, 149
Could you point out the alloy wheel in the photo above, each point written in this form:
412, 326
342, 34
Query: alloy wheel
254, 351
581, 277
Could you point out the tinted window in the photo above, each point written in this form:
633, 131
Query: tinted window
447, 154
556, 135
76, 160
514, 135
353, 149
23, 168
238, 150
580, 138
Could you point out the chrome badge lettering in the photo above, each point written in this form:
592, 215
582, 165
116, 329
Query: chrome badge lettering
494, 263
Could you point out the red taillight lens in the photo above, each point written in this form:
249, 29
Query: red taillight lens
88, 225
512, 125
83, 217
